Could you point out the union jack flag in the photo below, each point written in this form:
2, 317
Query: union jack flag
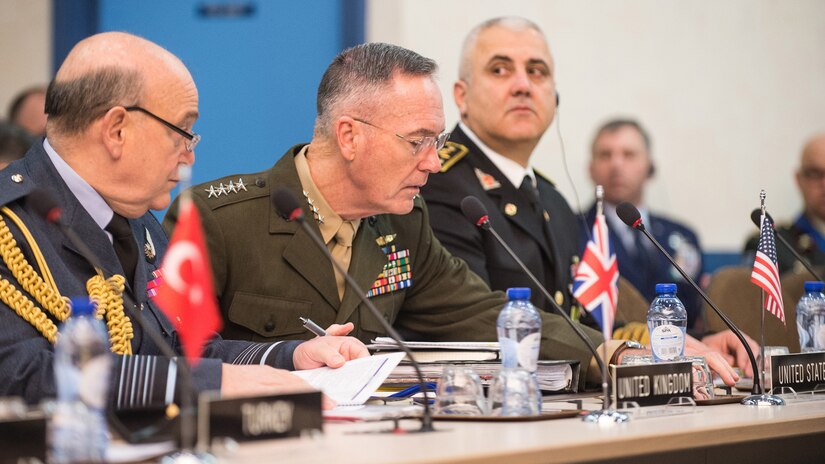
765, 273
596, 282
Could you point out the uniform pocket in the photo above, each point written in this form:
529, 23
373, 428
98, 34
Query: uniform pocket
269, 316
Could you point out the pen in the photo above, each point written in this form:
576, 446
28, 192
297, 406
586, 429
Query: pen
313, 327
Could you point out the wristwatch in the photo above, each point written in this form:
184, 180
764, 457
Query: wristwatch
628, 344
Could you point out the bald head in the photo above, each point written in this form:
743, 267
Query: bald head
106, 70
810, 178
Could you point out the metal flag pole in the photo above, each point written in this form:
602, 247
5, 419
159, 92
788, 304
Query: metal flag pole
763, 399
606, 415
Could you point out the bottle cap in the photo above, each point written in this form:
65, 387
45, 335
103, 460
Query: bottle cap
518, 293
82, 306
666, 288
814, 286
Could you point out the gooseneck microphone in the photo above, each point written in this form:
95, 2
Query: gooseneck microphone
631, 216
756, 217
289, 208
475, 212
42, 203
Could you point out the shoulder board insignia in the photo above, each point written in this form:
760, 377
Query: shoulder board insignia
541, 174
451, 154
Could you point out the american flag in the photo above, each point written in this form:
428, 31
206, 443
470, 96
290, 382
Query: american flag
596, 282
765, 273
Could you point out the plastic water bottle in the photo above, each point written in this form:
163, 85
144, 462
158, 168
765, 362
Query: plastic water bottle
810, 318
667, 324
519, 331
82, 368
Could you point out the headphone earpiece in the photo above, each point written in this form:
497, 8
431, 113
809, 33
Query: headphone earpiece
557, 98
651, 170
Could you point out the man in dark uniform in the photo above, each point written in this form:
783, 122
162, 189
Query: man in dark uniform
807, 232
621, 163
107, 161
380, 123
507, 98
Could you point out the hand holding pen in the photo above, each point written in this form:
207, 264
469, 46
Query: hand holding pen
335, 330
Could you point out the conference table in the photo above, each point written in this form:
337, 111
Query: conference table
725, 433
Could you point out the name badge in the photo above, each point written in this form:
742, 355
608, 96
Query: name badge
23, 439
652, 384
802, 372
259, 417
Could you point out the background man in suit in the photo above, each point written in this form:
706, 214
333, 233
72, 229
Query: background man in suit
507, 98
621, 163
807, 232
121, 110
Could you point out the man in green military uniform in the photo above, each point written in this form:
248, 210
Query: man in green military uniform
380, 123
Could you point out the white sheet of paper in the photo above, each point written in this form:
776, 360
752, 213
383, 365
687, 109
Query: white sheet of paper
354, 382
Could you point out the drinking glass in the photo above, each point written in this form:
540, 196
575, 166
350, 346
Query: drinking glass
459, 392
515, 392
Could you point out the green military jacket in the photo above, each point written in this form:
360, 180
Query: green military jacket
268, 273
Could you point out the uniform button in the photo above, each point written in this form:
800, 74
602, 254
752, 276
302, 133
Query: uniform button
260, 182
269, 327
559, 297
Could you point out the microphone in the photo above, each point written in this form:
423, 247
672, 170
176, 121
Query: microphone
631, 216
756, 217
43, 204
289, 208
475, 212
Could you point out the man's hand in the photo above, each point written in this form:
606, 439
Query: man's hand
328, 351
728, 345
251, 380
338, 330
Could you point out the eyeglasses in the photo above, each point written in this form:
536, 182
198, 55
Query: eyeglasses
419, 144
192, 138
812, 174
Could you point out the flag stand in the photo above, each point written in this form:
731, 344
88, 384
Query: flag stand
763, 398
606, 415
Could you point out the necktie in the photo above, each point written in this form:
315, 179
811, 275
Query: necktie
529, 190
342, 253
124, 245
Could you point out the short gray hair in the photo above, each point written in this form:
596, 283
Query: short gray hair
358, 73
74, 104
510, 22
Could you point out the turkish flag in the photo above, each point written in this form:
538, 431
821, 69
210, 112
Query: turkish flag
186, 295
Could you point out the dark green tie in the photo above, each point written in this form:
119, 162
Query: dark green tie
125, 246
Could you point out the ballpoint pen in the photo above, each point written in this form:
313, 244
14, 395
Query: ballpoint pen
313, 327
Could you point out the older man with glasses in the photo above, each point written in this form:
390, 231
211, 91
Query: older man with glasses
379, 127
107, 162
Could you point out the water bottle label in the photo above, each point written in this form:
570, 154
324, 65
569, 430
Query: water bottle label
509, 352
667, 342
92, 391
528, 351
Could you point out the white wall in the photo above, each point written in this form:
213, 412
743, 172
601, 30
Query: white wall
25, 47
728, 90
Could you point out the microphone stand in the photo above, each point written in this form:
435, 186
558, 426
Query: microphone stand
426, 418
756, 391
606, 414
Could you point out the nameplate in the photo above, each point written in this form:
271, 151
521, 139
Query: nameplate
24, 439
802, 371
259, 417
652, 384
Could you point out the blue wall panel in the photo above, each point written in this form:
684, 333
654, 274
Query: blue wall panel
256, 73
